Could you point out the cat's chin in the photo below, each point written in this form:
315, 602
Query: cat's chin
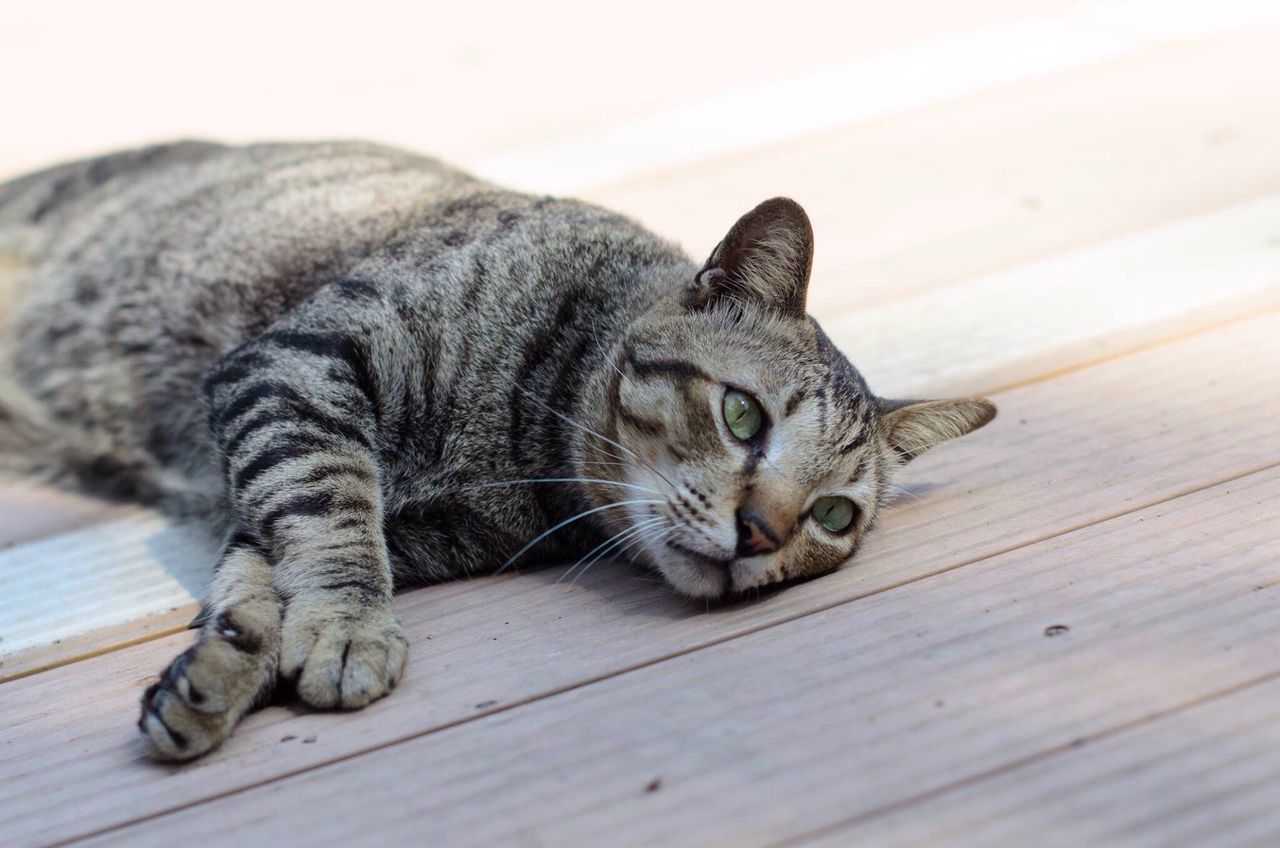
692, 573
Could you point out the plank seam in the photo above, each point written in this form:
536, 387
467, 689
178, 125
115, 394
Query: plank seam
674, 655
1020, 762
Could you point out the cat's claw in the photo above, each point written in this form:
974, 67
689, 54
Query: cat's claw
206, 690
340, 661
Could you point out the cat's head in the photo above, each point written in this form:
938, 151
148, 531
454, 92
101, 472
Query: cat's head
762, 451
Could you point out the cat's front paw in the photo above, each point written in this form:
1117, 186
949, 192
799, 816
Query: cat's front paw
340, 657
207, 689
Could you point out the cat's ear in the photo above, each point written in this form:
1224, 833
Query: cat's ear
764, 261
914, 426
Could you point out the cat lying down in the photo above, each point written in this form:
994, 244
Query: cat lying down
370, 370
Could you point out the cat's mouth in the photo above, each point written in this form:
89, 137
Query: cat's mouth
694, 573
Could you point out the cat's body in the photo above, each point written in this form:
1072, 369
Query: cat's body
348, 356
240, 237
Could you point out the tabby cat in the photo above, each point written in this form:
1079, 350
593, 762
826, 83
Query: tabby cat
368, 370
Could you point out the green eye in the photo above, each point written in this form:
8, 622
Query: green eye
742, 414
834, 513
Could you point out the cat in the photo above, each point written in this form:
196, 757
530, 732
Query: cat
367, 369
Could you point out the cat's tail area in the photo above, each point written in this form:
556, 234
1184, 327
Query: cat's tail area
25, 432
27, 443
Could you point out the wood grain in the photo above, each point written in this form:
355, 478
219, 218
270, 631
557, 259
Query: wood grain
979, 184
1206, 774
831, 715
1063, 454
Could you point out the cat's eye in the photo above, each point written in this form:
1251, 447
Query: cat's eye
742, 414
834, 512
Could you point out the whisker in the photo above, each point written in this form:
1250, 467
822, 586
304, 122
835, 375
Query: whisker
635, 539
544, 534
901, 490
584, 428
548, 480
604, 547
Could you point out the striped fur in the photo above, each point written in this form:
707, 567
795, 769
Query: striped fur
369, 370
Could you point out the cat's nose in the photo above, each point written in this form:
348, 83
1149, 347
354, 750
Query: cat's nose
755, 536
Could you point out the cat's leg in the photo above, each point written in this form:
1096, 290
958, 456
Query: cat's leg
209, 687
295, 415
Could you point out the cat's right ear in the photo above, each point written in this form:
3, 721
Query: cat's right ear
763, 262
914, 426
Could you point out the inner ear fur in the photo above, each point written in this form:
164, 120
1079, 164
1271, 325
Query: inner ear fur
914, 426
763, 261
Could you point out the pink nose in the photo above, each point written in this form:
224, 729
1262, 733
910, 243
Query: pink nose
755, 536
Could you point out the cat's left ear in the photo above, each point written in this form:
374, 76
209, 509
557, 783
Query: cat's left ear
914, 426
764, 261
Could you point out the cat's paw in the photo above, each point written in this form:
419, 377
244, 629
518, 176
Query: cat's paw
342, 658
207, 689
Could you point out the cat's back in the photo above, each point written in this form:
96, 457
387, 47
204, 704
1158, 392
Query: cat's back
182, 197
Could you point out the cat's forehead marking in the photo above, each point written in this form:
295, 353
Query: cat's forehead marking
797, 397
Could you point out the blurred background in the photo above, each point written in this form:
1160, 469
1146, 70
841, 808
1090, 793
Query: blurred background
929, 139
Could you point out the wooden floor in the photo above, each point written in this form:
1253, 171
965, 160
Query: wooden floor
1065, 631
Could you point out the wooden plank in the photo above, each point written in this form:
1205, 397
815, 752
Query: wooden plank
523, 98
1207, 774
971, 336
830, 715
481, 79
1074, 307
916, 76
96, 641
31, 511
1062, 454
973, 186
101, 576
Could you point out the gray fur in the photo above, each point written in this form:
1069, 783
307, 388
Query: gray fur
342, 354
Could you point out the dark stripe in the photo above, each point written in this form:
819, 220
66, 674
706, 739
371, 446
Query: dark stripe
821, 394
330, 470
308, 505
357, 290
241, 539
339, 346
270, 458
303, 410
656, 429
678, 369
233, 371
308, 412
365, 586
257, 422
249, 398
794, 401
353, 523
856, 442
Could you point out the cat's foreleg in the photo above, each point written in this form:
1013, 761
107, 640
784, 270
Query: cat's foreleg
295, 415
209, 687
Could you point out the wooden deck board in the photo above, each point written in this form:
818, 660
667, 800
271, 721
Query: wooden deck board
831, 715
1063, 453
974, 186
1203, 774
